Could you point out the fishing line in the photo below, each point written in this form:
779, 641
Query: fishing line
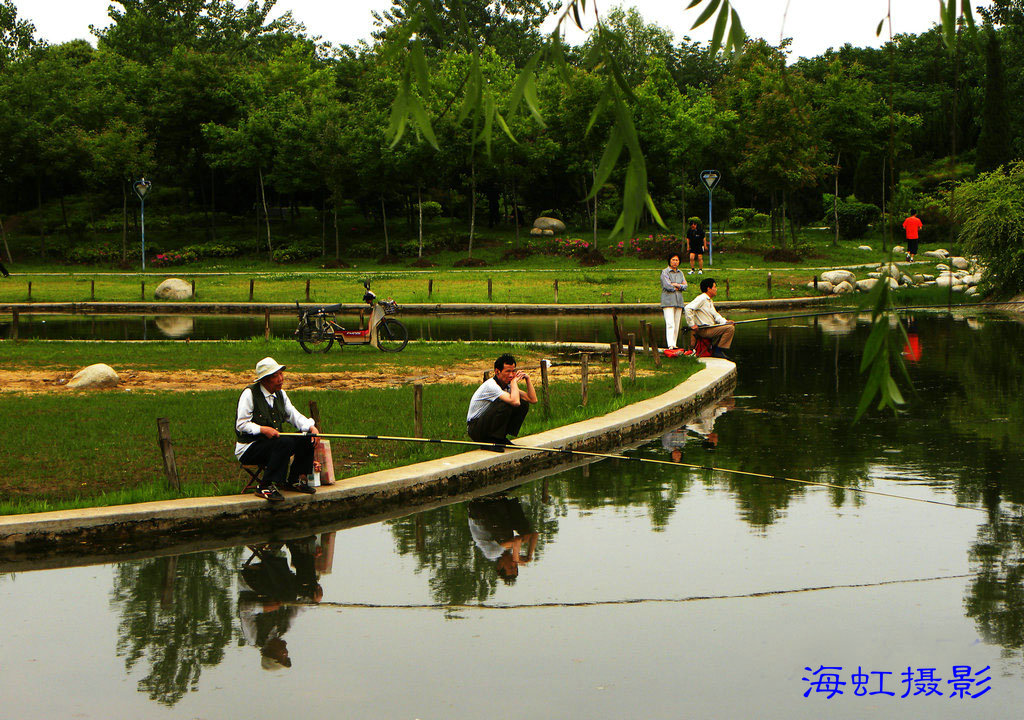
624, 601
652, 461
860, 310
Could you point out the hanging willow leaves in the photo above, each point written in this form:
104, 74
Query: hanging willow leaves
881, 352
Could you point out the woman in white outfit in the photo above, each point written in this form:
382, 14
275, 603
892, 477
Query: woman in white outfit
673, 283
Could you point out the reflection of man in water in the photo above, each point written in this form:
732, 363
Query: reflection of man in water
271, 595
499, 526
702, 426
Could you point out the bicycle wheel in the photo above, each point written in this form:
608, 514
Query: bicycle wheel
391, 335
316, 338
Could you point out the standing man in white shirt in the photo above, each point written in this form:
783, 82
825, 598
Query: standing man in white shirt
498, 407
263, 408
705, 321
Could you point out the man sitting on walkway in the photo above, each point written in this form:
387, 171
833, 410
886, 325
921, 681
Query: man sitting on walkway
498, 407
705, 321
263, 408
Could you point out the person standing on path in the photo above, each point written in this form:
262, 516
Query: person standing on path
912, 226
672, 285
263, 408
698, 245
705, 321
498, 407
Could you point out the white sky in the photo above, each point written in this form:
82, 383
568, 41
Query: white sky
814, 25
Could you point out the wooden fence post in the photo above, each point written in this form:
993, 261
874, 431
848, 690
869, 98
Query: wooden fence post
417, 410
618, 332
643, 334
489, 289
769, 283
556, 291
193, 289
252, 283
727, 288
143, 290
30, 291
430, 288
616, 377
584, 373
92, 289
622, 297
307, 289
14, 325
544, 386
815, 288
266, 325
632, 358
167, 451
652, 341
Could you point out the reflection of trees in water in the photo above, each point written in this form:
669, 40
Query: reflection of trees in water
995, 597
177, 616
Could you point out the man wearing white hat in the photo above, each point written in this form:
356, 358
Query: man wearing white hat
263, 408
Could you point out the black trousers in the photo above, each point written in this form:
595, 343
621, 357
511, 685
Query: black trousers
274, 454
497, 421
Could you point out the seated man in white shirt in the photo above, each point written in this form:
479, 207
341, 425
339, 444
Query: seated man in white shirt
705, 321
263, 408
498, 407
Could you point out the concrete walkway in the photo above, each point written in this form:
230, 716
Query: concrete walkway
130, 529
247, 308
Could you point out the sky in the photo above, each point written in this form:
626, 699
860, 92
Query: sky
814, 25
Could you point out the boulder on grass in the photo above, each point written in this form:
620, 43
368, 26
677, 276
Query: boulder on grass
866, 285
843, 288
173, 289
95, 376
938, 253
824, 286
865, 247
961, 263
837, 276
548, 223
536, 231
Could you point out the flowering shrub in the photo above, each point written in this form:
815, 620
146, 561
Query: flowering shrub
173, 257
565, 247
652, 246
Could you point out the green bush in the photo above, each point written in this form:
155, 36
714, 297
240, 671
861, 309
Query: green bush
855, 217
759, 220
746, 213
650, 246
431, 209
211, 250
737, 222
296, 251
990, 212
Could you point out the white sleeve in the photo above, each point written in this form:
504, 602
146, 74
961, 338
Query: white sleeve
243, 417
300, 421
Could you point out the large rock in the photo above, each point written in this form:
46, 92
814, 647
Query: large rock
899, 249
865, 247
866, 285
173, 289
843, 288
95, 376
961, 263
945, 280
548, 223
890, 270
536, 231
837, 276
824, 286
942, 266
971, 291
939, 253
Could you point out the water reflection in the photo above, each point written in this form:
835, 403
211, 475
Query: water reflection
700, 428
500, 528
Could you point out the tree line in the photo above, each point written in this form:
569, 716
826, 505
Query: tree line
241, 114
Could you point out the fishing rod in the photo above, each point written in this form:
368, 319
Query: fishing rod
611, 456
860, 310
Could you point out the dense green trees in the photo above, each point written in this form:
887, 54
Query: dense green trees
251, 116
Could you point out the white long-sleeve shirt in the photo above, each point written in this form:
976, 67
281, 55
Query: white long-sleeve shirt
244, 423
701, 311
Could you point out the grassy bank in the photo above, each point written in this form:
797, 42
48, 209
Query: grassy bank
71, 450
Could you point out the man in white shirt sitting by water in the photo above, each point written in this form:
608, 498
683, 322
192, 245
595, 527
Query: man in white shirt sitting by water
705, 321
498, 407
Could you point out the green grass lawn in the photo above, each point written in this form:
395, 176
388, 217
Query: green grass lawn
68, 449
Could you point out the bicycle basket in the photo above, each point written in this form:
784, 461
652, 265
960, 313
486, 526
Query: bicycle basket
390, 307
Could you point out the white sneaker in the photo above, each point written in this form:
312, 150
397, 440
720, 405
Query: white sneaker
700, 272
689, 272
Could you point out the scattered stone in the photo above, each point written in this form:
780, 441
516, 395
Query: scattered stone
866, 285
536, 231
95, 376
843, 288
959, 288
548, 233
942, 266
918, 278
173, 289
927, 283
824, 286
928, 278
891, 270
874, 275
961, 263
865, 247
971, 291
906, 280
938, 253
899, 249
945, 280
549, 223
837, 276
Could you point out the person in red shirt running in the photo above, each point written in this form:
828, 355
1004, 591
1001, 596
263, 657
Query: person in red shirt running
912, 225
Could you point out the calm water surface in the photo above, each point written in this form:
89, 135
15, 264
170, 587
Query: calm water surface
650, 590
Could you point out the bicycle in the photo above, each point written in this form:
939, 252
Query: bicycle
318, 328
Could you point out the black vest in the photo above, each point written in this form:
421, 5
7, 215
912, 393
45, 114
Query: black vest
262, 413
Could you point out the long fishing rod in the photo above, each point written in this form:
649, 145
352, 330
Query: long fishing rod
860, 310
611, 456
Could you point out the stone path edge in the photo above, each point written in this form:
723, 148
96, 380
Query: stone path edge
155, 524
246, 308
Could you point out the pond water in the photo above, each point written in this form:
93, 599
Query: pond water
655, 591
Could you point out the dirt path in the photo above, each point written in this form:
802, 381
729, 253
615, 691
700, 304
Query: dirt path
42, 381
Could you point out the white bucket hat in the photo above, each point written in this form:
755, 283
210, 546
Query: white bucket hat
267, 366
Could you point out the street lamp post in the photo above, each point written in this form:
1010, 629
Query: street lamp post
141, 189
